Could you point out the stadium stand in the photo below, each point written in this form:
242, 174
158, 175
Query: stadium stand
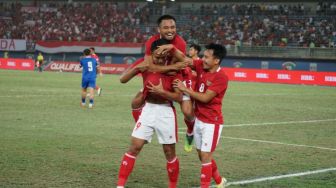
257, 24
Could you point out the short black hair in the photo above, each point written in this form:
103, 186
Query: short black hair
159, 42
87, 52
196, 47
219, 51
165, 17
92, 48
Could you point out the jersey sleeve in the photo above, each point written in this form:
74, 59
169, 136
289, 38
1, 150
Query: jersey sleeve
181, 44
219, 83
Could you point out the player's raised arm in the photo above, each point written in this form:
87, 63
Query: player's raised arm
137, 67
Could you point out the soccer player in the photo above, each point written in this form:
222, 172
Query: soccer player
94, 55
89, 74
212, 83
194, 51
189, 77
158, 115
166, 30
40, 61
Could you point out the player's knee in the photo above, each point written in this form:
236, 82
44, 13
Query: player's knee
169, 151
134, 150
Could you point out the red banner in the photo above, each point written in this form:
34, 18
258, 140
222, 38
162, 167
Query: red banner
16, 64
234, 74
75, 67
62, 46
282, 76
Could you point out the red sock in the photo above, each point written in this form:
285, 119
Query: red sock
206, 173
215, 173
190, 126
173, 169
136, 113
126, 167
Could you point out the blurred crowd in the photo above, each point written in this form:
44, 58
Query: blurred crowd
103, 22
230, 24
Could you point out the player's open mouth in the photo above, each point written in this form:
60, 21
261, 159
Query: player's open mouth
170, 35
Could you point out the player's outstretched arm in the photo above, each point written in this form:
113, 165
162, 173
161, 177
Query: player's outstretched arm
133, 71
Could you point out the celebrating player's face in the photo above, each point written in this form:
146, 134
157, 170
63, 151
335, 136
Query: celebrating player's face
159, 59
167, 29
192, 52
209, 61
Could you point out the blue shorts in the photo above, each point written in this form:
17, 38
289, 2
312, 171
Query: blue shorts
88, 83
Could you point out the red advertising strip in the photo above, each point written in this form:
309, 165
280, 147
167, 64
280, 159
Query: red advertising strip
282, 76
16, 64
75, 67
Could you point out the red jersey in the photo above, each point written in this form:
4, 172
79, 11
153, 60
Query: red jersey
95, 56
178, 42
154, 78
189, 78
210, 112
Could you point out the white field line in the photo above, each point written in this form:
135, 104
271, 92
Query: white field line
51, 95
279, 143
269, 178
243, 182
276, 123
272, 142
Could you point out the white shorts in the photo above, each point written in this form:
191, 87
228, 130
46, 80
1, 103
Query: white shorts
206, 135
159, 118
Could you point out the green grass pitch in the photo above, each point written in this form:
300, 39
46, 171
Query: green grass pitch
47, 140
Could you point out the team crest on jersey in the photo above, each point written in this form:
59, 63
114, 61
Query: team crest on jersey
137, 125
208, 83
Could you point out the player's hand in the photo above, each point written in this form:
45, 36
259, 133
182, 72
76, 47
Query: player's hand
179, 85
164, 49
180, 65
156, 88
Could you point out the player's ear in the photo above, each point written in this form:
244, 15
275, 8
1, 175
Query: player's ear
158, 30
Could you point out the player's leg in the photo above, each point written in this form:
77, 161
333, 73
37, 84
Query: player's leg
91, 91
166, 130
85, 84
142, 133
128, 160
210, 134
137, 104
91, 86
83, 97
173, 165
99, 90
189, 119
